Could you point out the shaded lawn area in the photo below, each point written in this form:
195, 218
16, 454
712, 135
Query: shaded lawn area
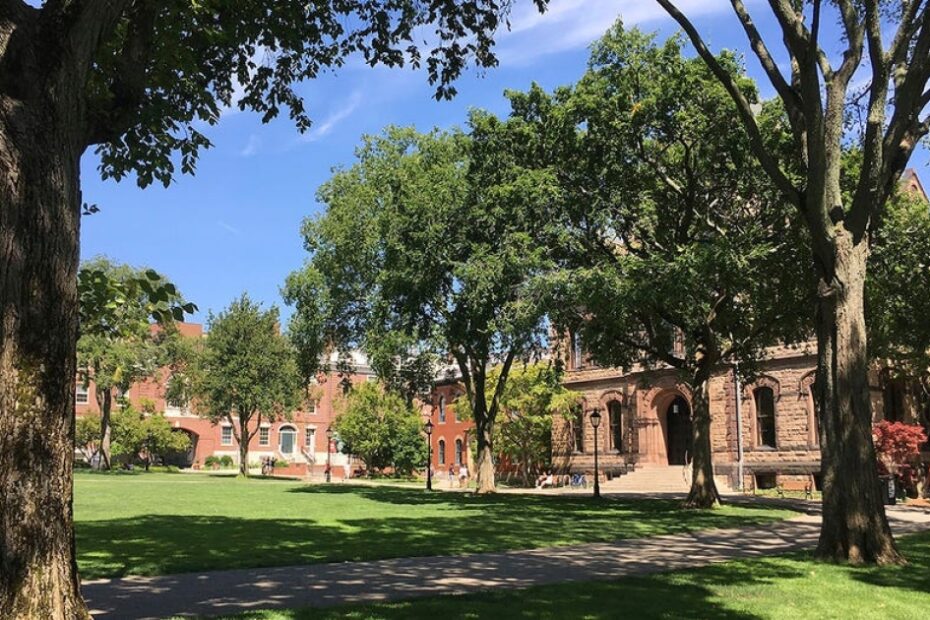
153, 524
778, 588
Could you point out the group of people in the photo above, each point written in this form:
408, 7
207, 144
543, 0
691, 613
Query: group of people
463, 476
546, 480
268, 463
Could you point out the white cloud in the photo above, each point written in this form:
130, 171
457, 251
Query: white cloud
229, 228
335, 117
573, 24
252, 146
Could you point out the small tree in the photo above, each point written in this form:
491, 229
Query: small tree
87, 435
117, 346
381, 429
532, 397
898, 447
246, 373
145, 434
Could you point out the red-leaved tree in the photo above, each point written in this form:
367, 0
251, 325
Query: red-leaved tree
898, 447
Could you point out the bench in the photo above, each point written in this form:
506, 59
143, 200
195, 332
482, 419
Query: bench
796, 486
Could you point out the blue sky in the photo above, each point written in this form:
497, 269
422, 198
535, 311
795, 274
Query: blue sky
234, 226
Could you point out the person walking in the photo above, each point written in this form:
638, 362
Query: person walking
451, 476
463, 476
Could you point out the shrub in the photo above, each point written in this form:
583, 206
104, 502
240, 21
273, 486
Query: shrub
211, 462
280, 464
226, 461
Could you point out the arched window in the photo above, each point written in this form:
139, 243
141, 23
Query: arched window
441, 451
815, 414
615, 413
765, 417
459, 447
287, 439
442, 409
577, 351
577, 423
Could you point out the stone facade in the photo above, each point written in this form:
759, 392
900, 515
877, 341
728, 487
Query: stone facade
653, 406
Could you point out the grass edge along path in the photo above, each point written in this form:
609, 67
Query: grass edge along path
781, 587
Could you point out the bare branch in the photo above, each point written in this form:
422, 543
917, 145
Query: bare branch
768, 162
789, 96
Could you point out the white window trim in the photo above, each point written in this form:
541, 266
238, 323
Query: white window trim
223, 441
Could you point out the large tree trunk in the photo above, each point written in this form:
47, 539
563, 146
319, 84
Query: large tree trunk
855, 528
485, 465
703, 493
39, 226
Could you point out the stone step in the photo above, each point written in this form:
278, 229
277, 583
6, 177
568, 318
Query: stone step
659, 479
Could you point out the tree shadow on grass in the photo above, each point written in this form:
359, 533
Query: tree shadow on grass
629, 598
913, 576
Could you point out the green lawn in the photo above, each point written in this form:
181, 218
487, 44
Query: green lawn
786, 588
151, 524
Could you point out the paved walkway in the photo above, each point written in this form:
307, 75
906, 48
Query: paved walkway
227, 592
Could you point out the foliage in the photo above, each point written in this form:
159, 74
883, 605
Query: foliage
381, 429
226, 461
245, 373
898, 285
674, 248
87, 435
897, 444
118, 346
533, 395
146, 435
211, 462
153, 74
426, 250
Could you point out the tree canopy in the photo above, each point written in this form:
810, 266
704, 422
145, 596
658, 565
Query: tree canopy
430, 242
245, 373
381, 429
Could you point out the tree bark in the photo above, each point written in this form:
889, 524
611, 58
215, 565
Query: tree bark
105, 400
244, 438
855, 528
39, 232
485, 465
703, 493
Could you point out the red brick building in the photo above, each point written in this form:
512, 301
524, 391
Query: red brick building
450, 437
299, 441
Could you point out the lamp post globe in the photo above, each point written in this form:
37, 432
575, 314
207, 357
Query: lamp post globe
596, 422
428, 427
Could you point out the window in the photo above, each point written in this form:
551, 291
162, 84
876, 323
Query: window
459, 447
765, 480
264, 436
892, 397
226, 436
578, 430
765, 417
287, 440
80, 395
441, 452
442, 409
577, 352
311, 408
615, 414
310, 438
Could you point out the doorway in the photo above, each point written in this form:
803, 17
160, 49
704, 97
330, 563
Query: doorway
678, 425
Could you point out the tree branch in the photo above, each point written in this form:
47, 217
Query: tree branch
768, 162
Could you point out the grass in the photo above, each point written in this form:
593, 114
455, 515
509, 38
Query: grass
777, 588
154, 524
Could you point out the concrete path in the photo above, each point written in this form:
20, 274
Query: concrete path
228, 592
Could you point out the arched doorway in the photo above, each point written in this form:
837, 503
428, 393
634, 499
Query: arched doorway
678, 425
182, 458
287, 440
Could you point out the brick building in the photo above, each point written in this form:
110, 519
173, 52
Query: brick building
301, 441
450, 437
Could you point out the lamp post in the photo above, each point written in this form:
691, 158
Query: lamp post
428, 427
329, 454
595, 422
